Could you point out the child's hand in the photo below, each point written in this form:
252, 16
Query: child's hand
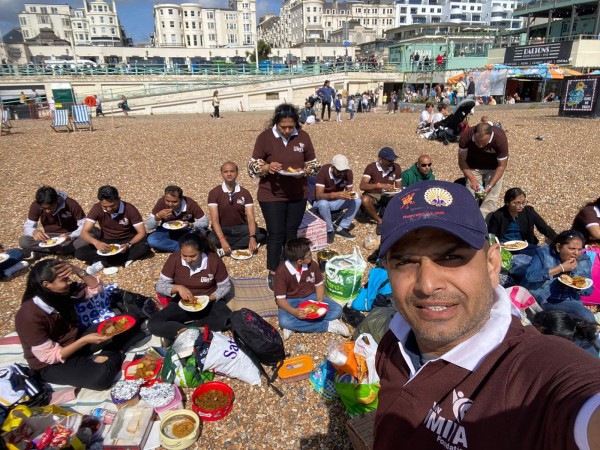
301, 313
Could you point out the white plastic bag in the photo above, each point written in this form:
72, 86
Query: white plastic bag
226, 358
366, 346
344, 276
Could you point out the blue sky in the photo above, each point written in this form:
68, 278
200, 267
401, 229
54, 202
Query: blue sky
136, 15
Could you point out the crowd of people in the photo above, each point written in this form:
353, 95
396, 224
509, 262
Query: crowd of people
456, 337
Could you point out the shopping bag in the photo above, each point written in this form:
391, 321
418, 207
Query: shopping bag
344, 276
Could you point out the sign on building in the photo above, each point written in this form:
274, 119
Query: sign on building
529, 55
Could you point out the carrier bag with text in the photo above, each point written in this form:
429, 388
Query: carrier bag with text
344, 276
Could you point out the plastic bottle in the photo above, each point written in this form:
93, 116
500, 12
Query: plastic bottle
104, 415
336, 354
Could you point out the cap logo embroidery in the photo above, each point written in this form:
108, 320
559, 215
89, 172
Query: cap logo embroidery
407, 200
438, 197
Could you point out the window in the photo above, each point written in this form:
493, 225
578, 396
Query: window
247, 27
246, 5
308, 9
188, 41
195, 40
192, 13
211, 25
170, 12
171, 24
43, 10
162, 24
315, 19
328, 24
187, 24
93, 19
327, 11
210, 15
101, 19
185, 15
272, 96
247, 39
232, 38
104, 31
246, 16
25, 34
232, 26
193, 25
358, 10
43, 19
66, 22
81, 37
161, 12
23, 20
230, 16
33, 9
54, 10
374, 21
212, 37
314, 9
113, 31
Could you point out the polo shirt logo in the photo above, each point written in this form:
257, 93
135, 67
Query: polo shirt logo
299, 148
241, 201
450, 434
124, 221
207, 279
66, 215
311, 278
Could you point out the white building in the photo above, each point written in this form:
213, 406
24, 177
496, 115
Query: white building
192, 25
97, 23
312, 21
496, 13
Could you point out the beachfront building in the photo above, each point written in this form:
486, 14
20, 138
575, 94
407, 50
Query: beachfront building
97, 23
191, 25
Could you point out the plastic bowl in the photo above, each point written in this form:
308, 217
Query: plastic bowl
130, 370
215, 414
171, 443
130, 321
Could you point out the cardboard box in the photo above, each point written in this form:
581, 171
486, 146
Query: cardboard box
314, 229
130, 429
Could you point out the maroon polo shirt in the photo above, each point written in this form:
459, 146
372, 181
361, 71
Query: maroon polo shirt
376, 175
231, 210
269, 148
191, 213
324, 179
64, 221
119, 227
485, 158
586, 216
203, 282
287, 284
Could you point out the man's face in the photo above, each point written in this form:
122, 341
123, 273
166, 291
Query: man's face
307, 105
49, 208
442, 287
470, 79
110, 206
172, 201
385, 163
229, 173
338, 173
424, 165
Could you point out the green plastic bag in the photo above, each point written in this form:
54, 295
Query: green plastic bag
179, 365
357, 398
507, 256
344, 276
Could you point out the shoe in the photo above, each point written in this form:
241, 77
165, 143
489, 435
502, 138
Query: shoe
343, 232
337, 327
94, 268
14, 269
212, 117
270, 281
286, 334
34, 256
220, 252
128, 263
330, 237
378, 230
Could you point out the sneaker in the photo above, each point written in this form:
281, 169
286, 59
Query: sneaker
330, 237
286, 334
220, 252
94, 268
337, 327
34, 256
343, 232
378, 229
128, 263
14, 269
270, 281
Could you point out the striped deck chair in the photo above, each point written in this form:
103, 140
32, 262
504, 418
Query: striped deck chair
6, 124
60, 120
81, 118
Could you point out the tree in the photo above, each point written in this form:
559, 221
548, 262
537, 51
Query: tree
264, 50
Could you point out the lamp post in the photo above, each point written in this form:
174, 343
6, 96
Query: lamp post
256, 49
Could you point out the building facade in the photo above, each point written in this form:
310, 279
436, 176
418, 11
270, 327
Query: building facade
191, 25
97, 23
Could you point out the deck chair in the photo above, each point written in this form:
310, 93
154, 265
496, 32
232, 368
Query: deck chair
81, 118
6, 124
449, 129
60, 120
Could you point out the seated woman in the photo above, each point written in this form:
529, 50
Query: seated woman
516, 221
548, 263
587, 222
11, 262
47, 325
559, 323
195, 269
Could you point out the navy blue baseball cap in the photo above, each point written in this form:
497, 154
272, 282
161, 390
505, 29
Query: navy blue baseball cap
388, 154
433, 204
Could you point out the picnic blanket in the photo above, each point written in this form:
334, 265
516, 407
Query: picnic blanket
254, 294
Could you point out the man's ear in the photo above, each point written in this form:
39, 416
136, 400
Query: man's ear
494, 264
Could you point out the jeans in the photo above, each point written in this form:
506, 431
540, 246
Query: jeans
290, 322
325, 207
14, 256
238, 236
283, 220
572, 308
163, 240
89, 254
490, 202
328, 106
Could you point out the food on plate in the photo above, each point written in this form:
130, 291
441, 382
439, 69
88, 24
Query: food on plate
311, 309
353, 194
176, 224
145, 367
183, 428
242, 253
116, 327
211, 400
515, 245
292, 170
196, 303
112, 249
52, 241
578, 282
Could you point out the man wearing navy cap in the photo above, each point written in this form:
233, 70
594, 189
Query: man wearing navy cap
380, 180
458, 370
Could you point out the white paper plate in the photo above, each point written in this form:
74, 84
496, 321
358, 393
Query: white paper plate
390, 193
235, 254
522, 245
121, 248
4, 257
588, 283
53, 242
174, 225
110, 270
202, 303
285, 173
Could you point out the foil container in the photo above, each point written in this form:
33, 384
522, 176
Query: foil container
158, 395
125, 390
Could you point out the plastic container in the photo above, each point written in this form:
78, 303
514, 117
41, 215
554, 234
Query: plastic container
103, 415
175, 404
214, 414
131, 368
168, 440
296, 369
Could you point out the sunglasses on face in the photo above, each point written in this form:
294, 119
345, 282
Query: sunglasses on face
425, 165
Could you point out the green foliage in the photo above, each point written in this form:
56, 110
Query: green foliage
264, 50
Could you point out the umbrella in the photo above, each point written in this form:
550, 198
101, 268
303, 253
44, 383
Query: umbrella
551, 71
456, 78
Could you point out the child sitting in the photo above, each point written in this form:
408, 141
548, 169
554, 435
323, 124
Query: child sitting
297, 280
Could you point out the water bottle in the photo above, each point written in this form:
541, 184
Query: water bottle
104, 415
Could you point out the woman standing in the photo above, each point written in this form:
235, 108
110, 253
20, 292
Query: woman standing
283, 157
47, 326
216, 101
191, 271
326, 94
549, 263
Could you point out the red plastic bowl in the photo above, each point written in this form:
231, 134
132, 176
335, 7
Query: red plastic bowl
103, 325
314, 315
216, 414
131, 376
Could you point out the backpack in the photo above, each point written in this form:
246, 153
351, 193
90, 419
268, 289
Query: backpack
260, 341
20, 386
377, 285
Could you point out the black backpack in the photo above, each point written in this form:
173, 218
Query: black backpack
260, 341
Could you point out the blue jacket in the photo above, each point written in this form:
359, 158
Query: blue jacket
326, 93
544, 287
